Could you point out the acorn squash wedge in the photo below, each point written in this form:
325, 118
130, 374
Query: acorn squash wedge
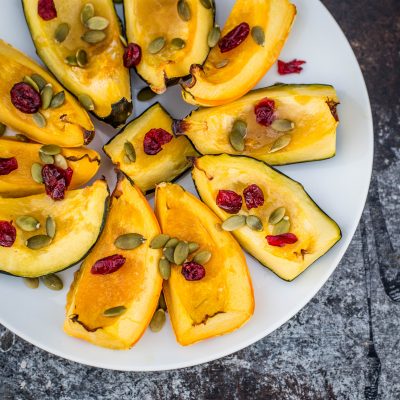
99, 72
148, 20
84, 163
222, 300
135, 287
285, 209
227, 76
147, 170
68, 125
78, 218
309, 109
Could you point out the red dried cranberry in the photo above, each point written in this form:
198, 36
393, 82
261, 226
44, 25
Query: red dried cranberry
291, 67
132, 55
154, 139
281, 240
253, 196
25, 98
7, 165
265, 112
108, 265
229, 201
234, 38
47, 9
193, 271
56, 180
7, 234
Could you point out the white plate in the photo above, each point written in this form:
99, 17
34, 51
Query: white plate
338, 185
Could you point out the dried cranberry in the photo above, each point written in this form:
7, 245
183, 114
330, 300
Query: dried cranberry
56, 180
7, 165
47, 9
281, 240
229, 201
291, 67
193, 271
25, 98
154, 139
7, 234
265, 112
108, 265
132, 55
234, 38
253, 196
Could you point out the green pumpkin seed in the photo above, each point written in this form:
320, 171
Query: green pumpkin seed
86, 102
258, 35
46, 159
58, 100
233, 223
254, 223
21, 138
61, 32
184, 10
87, 12
27, 223
277, 215
169, 254
36, 172
213, 36
52, 282
51, 227
282, 125
39, 120
123, 41
280, 143
159, 241
60, 161
32, 283
146, 94
114, 311
93, 37
2, 129
71, 60
130, 151
39, 80
46, 95
236, 140
129, 241
178, 43
38, 242
221, 64
283, 226
181, 252
202, 257
158, 320
161, 302
240, 126
97, 23
27, 79
206, 4
156, 45
165, 268
172, 242
81, 58
193, 247
50, 149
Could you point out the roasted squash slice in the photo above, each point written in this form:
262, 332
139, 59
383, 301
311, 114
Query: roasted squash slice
223, 300
102, 76
227, 76
311, 109
135, 286
149, 170
147, 20
67, 126
315, 232
79, 221
83, 162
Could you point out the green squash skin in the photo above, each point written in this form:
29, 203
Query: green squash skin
317, 206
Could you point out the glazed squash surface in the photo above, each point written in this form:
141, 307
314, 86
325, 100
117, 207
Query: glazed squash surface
136, 285
223, 300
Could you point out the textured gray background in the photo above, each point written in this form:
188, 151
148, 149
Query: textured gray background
338, 347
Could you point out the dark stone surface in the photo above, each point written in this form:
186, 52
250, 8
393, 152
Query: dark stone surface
338, 347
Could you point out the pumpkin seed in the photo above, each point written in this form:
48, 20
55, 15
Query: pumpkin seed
156, 45
254, 223
61, 32
202, 257
159, 241
240, 126
38, 242
36, 172
39, 80
46, 159
51, 227
184, 10
27, 79
21, 138
181, 252
221, 64
258, 35
178, 43
158, 320
39, 120
71, 60
169, 254
193, 247
233, 223
58, 100
123, 41
47, 95
81, 58
32, 283
172, 242
93, 37
146, 94
130, 151
282, 125
2, 129
129, 241
213, 36
165, 268
27, 223
236, 140
50, 149
114, 311
86, 101
87, 12
60, 161
283, 226
52, 282
280, 143
161, 302
277, 215
206, 4
97, 23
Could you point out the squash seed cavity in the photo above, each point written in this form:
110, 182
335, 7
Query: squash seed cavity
51, 227
130, 152
258, 35
159, 241
36, 172
181, 252
38, 242
280, 143
129, 241
156, 45
61, 32
52, 282
184, 10
158, 320
282, 125
39, 120
233, 223
31, 283
202, 257
114, 311
165, 268
213, 36
27, 223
